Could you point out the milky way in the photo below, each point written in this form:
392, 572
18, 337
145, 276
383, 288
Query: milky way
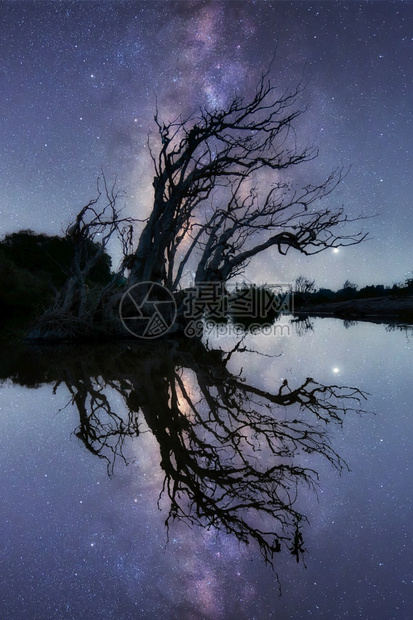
79, 83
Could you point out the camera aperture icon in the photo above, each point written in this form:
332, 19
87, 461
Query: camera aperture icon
147, 310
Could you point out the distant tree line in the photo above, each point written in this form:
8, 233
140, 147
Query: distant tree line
306, 293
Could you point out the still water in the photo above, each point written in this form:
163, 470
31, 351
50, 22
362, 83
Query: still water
154, 483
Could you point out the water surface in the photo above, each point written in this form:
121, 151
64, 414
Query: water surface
83, 530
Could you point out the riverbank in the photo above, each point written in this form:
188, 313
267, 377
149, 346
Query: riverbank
373, 309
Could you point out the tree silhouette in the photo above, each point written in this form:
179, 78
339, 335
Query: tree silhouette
33, 267
78, 309
229, 451
52, 256
222, 194
232, 149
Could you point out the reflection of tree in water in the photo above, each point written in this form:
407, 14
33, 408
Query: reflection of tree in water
401, 327
229, 450
302, 325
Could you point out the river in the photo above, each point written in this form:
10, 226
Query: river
92, 435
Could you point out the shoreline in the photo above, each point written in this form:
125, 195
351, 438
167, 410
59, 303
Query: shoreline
374, 309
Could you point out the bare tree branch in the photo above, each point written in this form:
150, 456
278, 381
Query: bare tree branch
212, 159
221, 197
231, 453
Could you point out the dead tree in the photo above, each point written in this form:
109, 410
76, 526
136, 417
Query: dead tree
208, 209
78, 310
234, 456
222, 195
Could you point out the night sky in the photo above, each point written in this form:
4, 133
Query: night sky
79, 81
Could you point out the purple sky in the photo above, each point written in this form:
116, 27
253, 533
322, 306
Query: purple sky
78, 82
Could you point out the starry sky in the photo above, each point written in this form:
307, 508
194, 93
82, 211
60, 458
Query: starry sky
79, 82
